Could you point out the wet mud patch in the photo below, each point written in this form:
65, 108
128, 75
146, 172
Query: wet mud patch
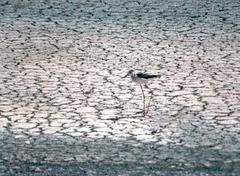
50, 155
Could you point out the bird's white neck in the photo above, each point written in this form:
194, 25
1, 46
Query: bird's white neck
133, 75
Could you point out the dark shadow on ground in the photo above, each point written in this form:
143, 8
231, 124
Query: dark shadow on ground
51, 155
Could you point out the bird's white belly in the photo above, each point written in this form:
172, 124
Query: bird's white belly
139, 80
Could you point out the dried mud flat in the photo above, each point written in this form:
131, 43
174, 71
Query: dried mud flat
65, 109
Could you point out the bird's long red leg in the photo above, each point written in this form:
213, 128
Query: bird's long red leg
151, 92
144, 112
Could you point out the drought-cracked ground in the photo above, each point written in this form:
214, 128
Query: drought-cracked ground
66, 110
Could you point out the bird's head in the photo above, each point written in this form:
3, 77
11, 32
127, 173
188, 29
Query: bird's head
130, 72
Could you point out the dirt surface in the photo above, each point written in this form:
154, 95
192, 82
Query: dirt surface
66, 110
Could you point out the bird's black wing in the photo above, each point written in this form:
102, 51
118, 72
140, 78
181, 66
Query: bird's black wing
146, 76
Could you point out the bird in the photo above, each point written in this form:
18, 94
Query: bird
142, 78
139, 77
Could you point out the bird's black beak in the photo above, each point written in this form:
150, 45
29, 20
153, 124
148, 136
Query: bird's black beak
125, 76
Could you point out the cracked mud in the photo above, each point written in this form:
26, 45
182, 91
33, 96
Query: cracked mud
66, 110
